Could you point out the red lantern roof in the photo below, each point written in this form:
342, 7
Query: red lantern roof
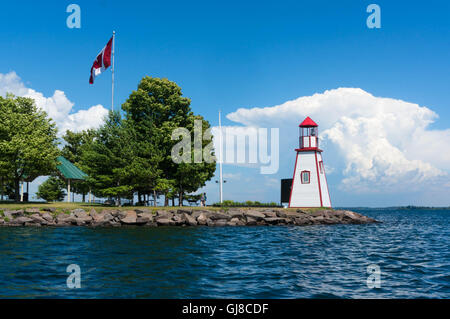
308, 123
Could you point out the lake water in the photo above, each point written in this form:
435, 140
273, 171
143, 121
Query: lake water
410, 247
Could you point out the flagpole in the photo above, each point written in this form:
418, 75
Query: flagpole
220, 160
112, 84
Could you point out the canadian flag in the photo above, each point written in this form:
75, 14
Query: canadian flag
102, 61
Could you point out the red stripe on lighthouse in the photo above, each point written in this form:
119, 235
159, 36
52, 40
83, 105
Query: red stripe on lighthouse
318, 179
293, 180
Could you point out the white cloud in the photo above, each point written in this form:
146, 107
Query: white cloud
385, 143
58, 106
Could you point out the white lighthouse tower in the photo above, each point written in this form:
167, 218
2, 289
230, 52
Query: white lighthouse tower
309, 184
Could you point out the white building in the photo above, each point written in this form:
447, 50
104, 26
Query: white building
309, 184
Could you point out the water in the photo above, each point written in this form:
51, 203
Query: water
411, 248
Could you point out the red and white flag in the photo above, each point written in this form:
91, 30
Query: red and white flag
102, 62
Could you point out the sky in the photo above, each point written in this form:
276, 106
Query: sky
380, 96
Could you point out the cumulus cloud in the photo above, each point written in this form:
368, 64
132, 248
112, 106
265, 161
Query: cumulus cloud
57, 106
384, 143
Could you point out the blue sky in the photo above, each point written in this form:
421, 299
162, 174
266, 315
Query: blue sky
243, 54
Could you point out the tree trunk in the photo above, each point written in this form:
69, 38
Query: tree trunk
154, 198
180, 199
17, 189
84, 197
166, 200
173, 201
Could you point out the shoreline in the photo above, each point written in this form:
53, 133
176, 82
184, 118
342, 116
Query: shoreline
182, 216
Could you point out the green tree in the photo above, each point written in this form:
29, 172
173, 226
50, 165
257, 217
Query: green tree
28, 141
108, 157
154, 111
52, 189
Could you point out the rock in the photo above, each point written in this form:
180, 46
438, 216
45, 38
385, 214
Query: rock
275, 220
235, 213
49, 209
8, 215
32, 210
130, 217
165, 222
184, 211
107, 217
201, 220
251, 221
21, 220
190, 220
218, 215
1, 221
179, 220
142, 220
254, 214
47, 217
140, 211
13, 213
270, 214
38, 219
163, 214
80, 213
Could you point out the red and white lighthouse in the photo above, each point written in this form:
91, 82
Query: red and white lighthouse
309, 184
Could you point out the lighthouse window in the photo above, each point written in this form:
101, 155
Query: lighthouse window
305, 177
321, 167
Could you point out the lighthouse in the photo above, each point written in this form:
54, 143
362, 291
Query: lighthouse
309, 184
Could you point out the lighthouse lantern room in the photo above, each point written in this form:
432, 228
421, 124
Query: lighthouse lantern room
309, 184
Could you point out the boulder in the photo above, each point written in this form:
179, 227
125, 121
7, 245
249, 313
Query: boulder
251, 221
218, 215
49, 209
190, 220
237, 221
140, 211
32, 210
163, 214
165, 222
142, 220
130, 217
47, 217
80, 213
21, 220
201, 220
270, 214
254, 214
38, 219
235, 213
184, 211
275, 220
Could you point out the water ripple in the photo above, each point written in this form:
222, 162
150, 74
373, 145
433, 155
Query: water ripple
411, 248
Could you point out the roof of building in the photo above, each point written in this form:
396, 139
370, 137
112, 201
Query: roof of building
68, 170
308, 123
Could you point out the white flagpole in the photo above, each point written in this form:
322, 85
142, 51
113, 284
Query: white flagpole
112, 85
220, 160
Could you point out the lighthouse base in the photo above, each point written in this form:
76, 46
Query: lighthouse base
309, 184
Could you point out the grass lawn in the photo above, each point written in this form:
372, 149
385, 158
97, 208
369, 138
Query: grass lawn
64, 206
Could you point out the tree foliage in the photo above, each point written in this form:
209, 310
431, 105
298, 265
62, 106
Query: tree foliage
52, 189
28, 141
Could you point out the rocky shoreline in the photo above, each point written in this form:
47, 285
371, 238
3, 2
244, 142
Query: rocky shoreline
50, 217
